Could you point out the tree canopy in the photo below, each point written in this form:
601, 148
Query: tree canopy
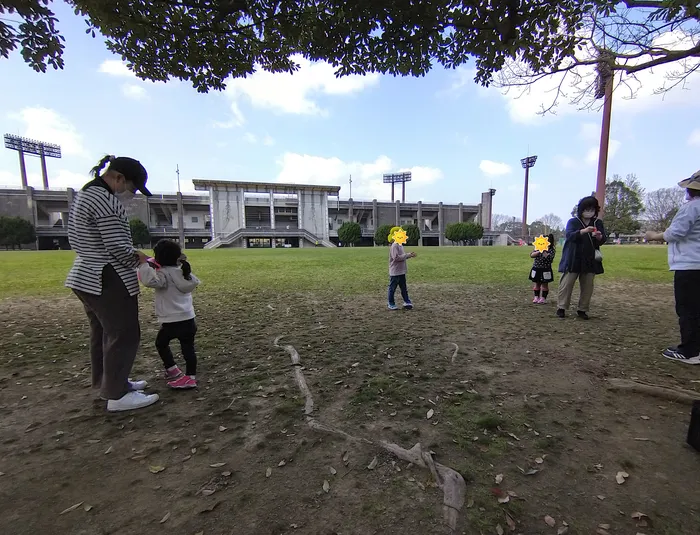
15, 232
140, 234
350, 233
207, 41
623, 205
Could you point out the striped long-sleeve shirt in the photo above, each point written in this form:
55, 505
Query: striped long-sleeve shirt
98, 231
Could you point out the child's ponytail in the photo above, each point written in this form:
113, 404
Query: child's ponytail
186, 270
97, 170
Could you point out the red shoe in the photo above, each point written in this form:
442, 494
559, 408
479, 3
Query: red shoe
173, 373
183, 382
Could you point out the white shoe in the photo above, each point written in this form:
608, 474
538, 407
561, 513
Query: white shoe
131, 401
138, 385
134, 385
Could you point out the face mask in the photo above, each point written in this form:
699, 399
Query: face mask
125, 197
588, 214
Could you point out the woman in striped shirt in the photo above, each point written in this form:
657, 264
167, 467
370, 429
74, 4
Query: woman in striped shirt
103, 277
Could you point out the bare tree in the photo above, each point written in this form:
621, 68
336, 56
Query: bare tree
661, 206
497, 220
618, 38
552, 222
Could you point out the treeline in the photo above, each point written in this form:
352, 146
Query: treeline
629, 210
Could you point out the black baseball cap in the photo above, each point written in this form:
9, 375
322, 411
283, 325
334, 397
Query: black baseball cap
133, 171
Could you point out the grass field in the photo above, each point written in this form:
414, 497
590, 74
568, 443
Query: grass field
346, 270
522, 409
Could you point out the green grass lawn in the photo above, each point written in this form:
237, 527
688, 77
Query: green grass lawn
344, 270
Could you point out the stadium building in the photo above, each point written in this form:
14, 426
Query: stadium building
253, 214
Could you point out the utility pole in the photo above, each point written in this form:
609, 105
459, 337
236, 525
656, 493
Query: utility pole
351, 186
180, 210
527, 163
605, 82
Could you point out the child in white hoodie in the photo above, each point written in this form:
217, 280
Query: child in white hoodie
174, 282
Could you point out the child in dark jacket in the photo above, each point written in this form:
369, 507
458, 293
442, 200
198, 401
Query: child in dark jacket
541, 273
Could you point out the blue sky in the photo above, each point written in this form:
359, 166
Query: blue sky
457, 138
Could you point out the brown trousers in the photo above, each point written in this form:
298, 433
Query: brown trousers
115, 334
566, 287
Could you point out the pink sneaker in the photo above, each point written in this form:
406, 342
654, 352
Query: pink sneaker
543, 301
536, 300
173, 373
183, 382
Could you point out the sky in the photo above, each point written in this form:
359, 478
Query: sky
458, 139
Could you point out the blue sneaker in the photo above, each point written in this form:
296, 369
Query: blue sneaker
392, 307
408, 306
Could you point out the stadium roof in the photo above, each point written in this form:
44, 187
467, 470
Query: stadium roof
262, 187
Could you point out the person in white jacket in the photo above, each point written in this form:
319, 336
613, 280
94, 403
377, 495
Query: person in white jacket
173, 280
683, 238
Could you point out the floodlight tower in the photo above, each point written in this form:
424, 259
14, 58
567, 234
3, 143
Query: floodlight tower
393, 178
36, 148
527, 163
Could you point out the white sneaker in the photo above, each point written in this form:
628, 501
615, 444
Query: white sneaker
134, 385
131, 401
138, 385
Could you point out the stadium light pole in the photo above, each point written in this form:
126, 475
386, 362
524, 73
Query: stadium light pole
527, 163
33, 147
180, 209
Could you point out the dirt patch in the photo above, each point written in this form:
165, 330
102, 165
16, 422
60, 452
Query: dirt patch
525, 397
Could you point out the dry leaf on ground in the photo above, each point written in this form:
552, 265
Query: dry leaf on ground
268, 472
71, 508
373, 464
499, 479
430, 414
550, 521
326, 486
156, 469
165, 518
621, 477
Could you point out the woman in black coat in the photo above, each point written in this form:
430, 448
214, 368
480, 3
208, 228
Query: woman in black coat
581, 258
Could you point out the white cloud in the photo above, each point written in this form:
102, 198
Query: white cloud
566, 162
250, 137
45, 124
115, 67
590, 131
494, 168
57, 179
235, 121
694, 138
134, 92
268, 140
295, 93
520, 188
592, 154
366, 176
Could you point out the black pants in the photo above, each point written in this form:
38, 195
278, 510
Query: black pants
686, 286
184, 331
400, 281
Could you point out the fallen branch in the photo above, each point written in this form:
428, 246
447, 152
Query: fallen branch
664, 392
448, 480
454, 355
299, 376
